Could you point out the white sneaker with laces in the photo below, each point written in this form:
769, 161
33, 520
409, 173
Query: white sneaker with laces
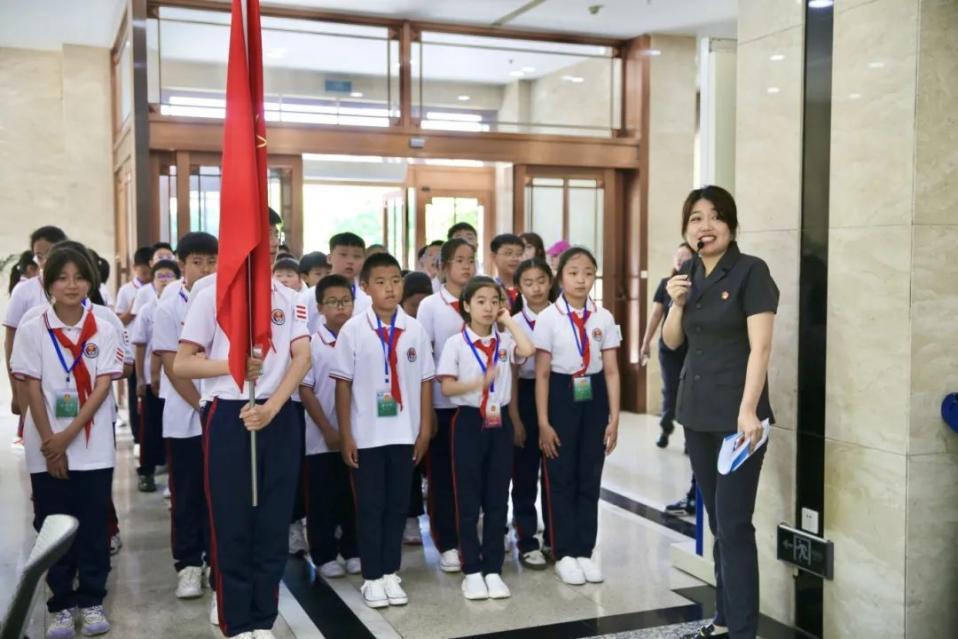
374, 593
354, 566
93, 621
591, 570
569, 571
332, 570
214, 611
394, 592
474, 587
190, 584
412, 536
449, 561
63, 625
497, 587
297, 539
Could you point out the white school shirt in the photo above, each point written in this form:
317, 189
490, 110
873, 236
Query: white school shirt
26, 294
201, 328
180, 420
440, 321
554, 334
126, 295
526, 319
102, 314
359, 358
436, 284
35, 357
142, 335
322, 348
307, 297
143, 297
107, 296
458, 361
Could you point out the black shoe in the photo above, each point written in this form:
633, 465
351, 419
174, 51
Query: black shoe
146, 484
663, 440
681, 507
706, 632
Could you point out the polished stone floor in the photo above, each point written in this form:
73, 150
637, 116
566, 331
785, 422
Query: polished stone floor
637, 599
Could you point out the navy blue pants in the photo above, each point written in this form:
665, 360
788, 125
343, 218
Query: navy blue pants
299, 501
574, 478
381, 491
134, 408
525, 473
730, 501
329, 504
249, 546
152, 448
189, 521
482, 466
416, 503
441, 498
671, 363
86, 496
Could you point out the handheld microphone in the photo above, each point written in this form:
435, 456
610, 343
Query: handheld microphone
695, 259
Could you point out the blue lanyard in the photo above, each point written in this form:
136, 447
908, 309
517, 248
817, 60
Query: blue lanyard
531, 323
387, 346
575, 331
63, 361
183, 296
482, 364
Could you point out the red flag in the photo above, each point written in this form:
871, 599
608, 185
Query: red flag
243, 286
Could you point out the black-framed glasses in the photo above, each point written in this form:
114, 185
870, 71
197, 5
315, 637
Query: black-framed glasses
344, 302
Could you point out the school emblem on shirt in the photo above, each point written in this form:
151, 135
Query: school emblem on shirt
597, 334
278, 317
91, 350
502, 354
724, 295
411, 354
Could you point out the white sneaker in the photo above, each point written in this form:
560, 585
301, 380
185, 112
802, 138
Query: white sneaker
354, 566
63, 625
497, 587
474, 587
412, 536
591, 570
263, 634
93, 621
214, 611
190, 584
115, 544
331, 570
394, 592
136, 450
374, 593
568, 570
449, 561
533, 559
297, 539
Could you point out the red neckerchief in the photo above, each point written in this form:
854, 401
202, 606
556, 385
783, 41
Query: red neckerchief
394, 386
580, 323
454, 303
80, 372
489, 350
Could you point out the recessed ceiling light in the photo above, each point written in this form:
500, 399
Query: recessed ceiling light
464, 98
854, 96
820, 4
877, 64
575, 79
777, 57
356, 94
528, 69
516, 73
773, 90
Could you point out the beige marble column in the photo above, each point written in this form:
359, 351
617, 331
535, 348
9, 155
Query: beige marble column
891, 500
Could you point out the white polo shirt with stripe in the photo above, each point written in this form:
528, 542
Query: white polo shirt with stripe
180, 420
459, 362
554, 334
440, 321
322, 349
526, 319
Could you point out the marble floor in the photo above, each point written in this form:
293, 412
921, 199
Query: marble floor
637, 599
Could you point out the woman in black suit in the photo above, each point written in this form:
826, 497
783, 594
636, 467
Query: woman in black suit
724, 313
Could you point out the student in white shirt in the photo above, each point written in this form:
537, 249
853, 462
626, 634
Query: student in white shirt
328, 496
313, 267
475, 370
25, 296
577, 399
466, 231
149, 402
248, 545
286, 271
440, 319
534, 278
162, 251
141, 277
428, 262
383, 373
189, 522
506, 254
346, 255
66, 361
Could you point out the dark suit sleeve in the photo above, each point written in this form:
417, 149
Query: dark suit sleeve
759, 294
660, 295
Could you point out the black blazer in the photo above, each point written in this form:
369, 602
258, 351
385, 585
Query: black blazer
714, 322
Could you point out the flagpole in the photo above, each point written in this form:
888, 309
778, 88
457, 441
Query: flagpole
252, 390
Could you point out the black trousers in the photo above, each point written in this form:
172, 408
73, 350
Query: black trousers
441, 499
526, 462
152, 447
86, 496
416, 504
189, 523
329, 504
574, 478
133, 405
381, 490
482, 464
730, 501
299, 500
249, 546
670, 363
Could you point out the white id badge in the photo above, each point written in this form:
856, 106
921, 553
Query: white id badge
493, 415
66, 404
